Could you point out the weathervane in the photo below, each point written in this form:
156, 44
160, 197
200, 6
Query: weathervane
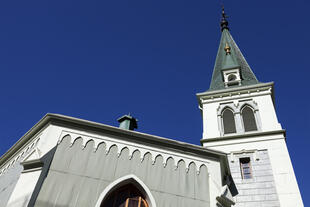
224, 22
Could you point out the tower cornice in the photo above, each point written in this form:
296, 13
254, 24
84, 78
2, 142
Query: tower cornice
251, 135
220, 95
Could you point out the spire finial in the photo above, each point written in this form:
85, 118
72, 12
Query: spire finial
224, 22
227, 49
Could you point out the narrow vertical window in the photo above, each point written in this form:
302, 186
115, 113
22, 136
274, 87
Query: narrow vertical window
126, 196
229, 121
248, 118
245, 166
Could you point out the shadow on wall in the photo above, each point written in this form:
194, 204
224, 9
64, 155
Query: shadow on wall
46, 159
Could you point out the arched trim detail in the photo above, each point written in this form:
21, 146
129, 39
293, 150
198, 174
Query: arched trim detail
123, 181
236, 106
254, 107
231, 106
254, 126
220, 109
133, 150
227, 108
221, 117
20, 156
251, 104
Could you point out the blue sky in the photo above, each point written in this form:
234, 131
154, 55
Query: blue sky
98, 60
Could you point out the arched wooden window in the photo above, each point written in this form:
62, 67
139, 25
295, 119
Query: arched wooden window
126, 196
248, 118
229, 121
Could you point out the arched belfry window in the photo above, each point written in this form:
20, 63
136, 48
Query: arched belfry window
125, 196
229, 124
248, 117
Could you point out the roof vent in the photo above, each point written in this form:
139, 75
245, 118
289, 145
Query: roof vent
128, 122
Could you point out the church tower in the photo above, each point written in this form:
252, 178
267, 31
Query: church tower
239, 118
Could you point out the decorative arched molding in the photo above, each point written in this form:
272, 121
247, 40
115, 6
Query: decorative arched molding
253, 105
236, 106
133, 179
233, 107
87, 142
202, 167
132, 153
18, 157
132, 148
191, 164
222, 107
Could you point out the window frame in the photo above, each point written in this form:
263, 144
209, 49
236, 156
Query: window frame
130, 178
242, 162
128, 189
254, 116
236, 106
222, 118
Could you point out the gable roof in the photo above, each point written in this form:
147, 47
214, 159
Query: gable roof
67, 121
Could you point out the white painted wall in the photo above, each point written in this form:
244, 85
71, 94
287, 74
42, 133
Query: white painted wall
284, 176
215, 182
210, 122
23, 189
266, 111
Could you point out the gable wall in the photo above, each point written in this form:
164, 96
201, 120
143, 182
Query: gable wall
77, 176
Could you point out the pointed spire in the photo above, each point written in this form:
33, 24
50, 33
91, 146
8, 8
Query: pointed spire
224, 22
229, 57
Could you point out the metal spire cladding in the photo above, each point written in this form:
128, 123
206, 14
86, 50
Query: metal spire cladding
229, 56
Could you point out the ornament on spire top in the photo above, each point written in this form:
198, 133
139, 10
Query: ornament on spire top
224, 22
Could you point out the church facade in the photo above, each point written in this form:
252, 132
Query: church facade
243, 160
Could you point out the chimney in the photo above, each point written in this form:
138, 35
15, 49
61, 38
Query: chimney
128, 122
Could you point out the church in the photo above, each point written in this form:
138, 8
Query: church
243, 159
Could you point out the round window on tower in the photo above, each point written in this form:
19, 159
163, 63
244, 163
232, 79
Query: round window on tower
232, 77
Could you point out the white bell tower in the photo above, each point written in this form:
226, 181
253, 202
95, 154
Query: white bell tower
239, 118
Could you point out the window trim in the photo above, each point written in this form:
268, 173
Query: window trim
254, 114
128, 190
126, 180
221, 108
236, 106
222, 118
253, 105
242, 169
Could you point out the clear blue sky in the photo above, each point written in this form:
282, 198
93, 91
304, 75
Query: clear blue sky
98, 60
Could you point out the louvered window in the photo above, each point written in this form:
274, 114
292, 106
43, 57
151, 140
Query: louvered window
248, 118
245, 166
228, 121
126, 196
